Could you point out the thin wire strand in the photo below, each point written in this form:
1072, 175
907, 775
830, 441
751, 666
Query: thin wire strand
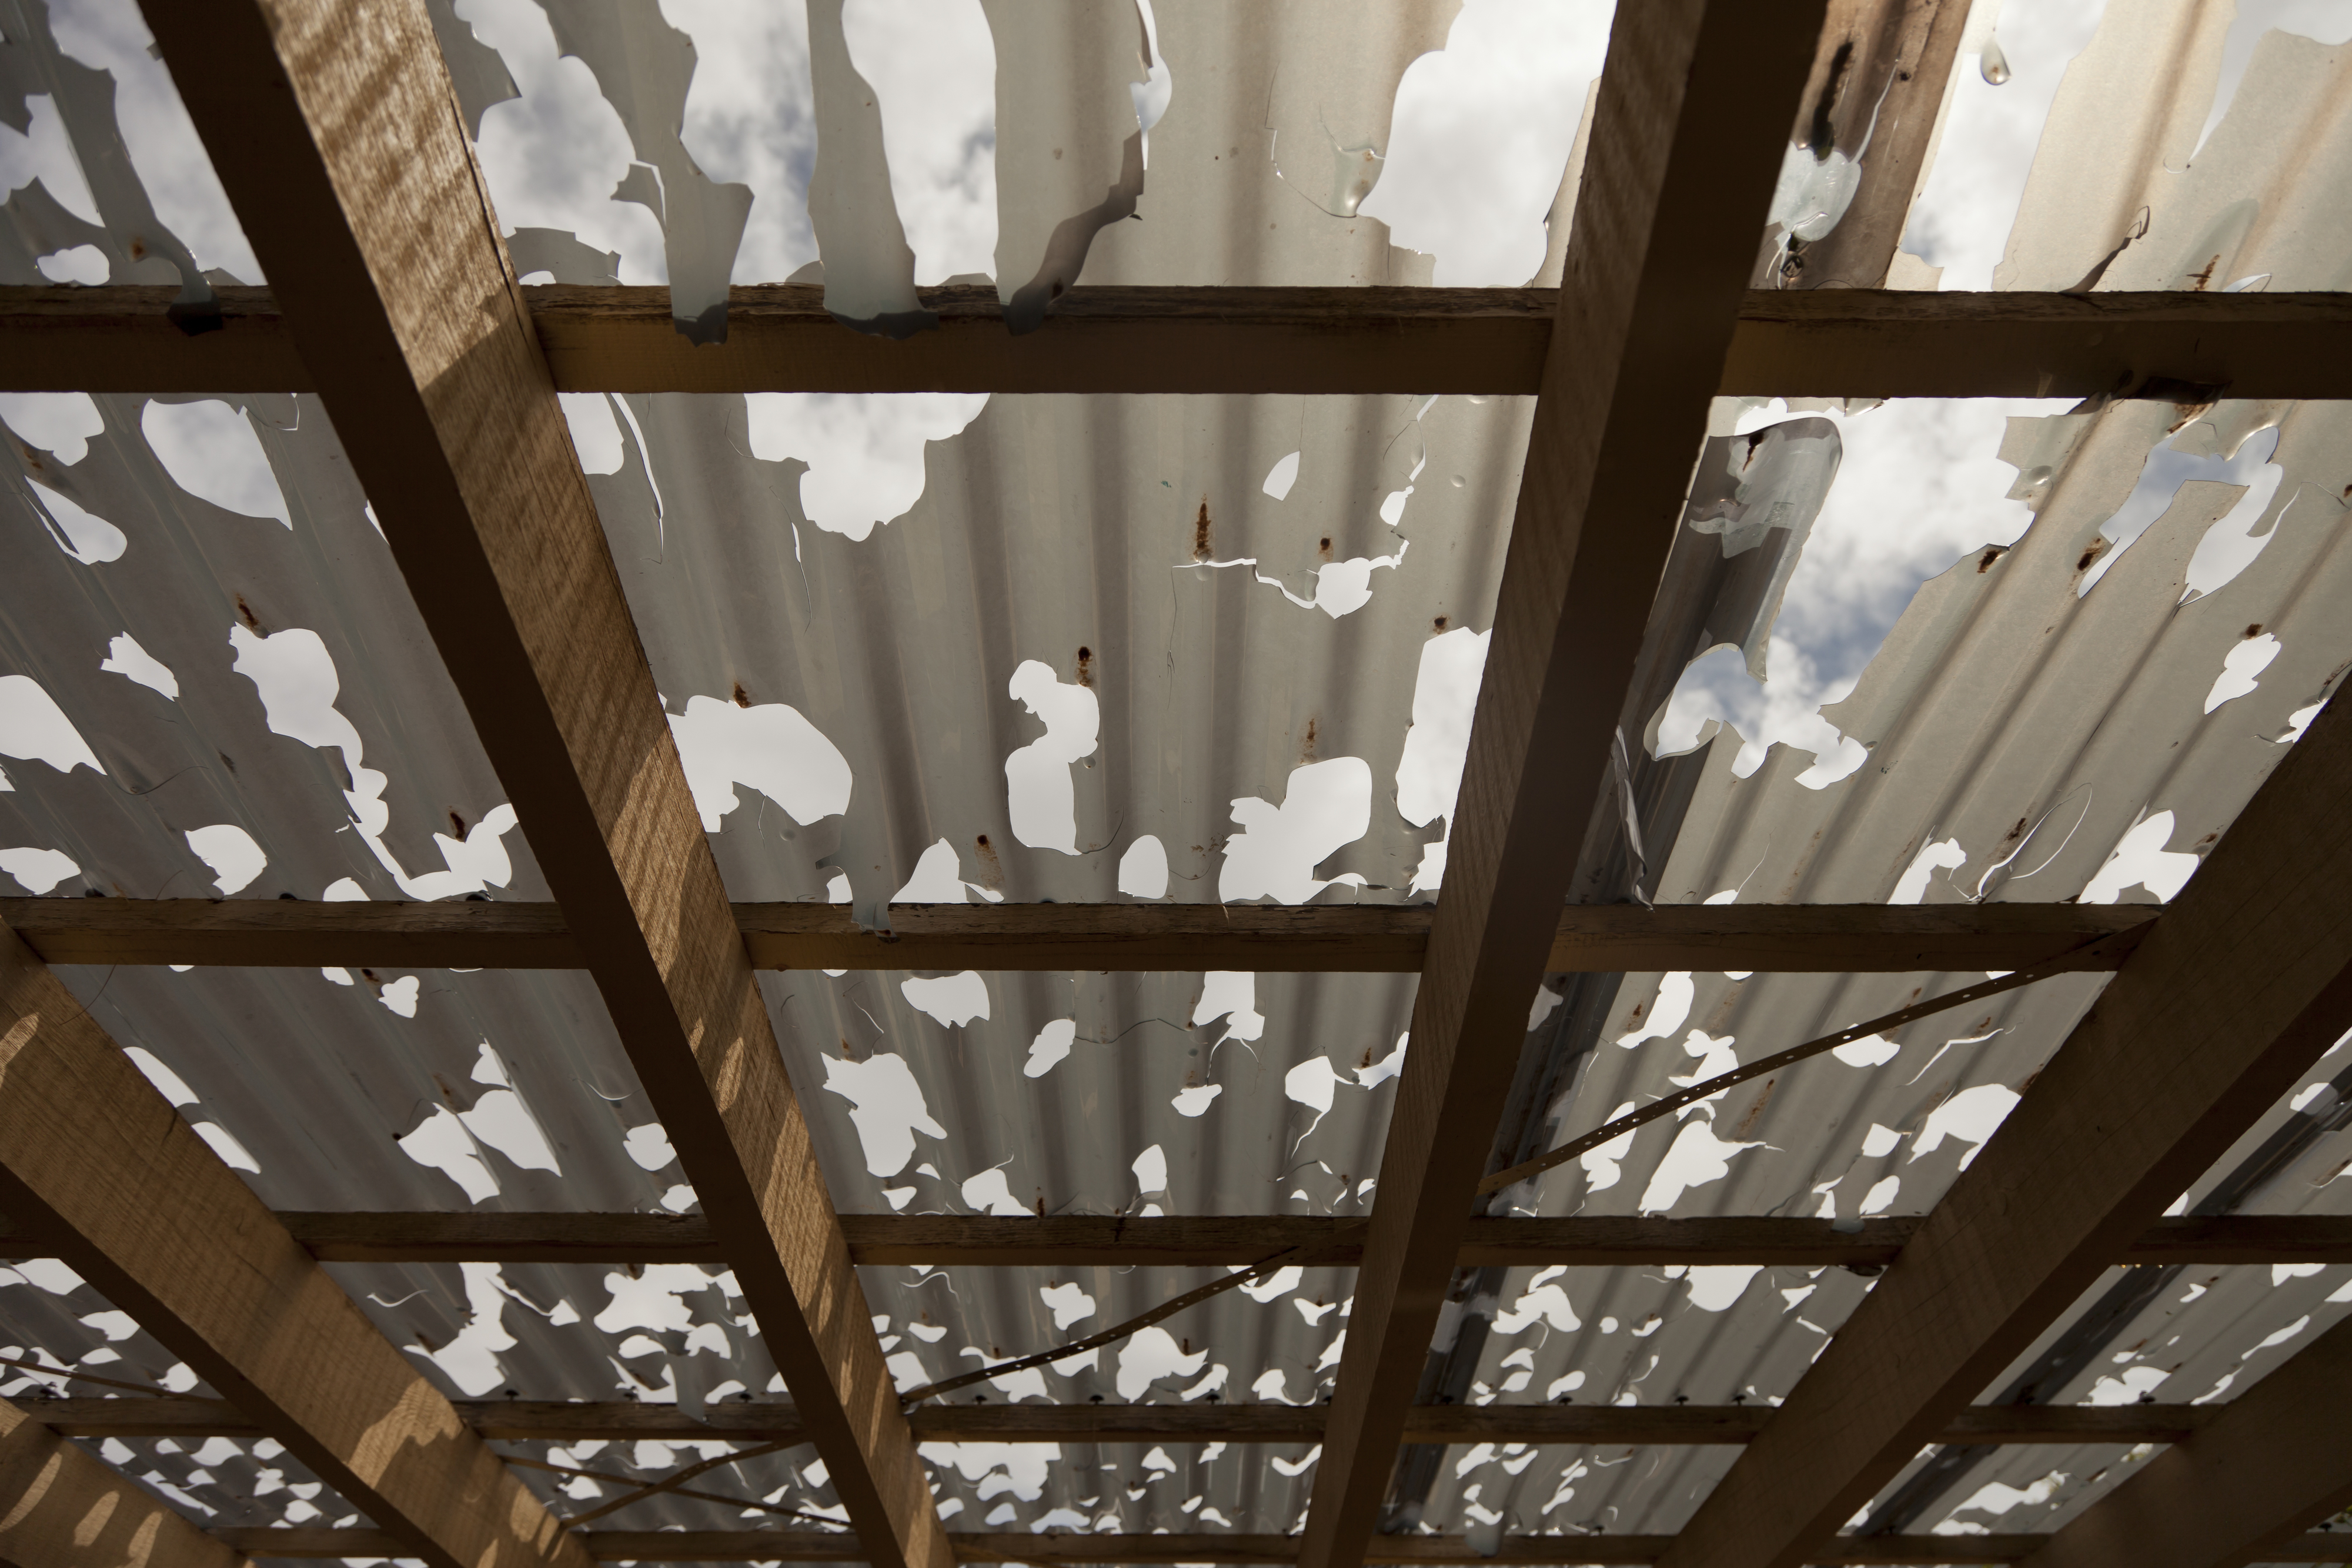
147, 1388
673, 1482
2074, 960
530, 1464
1095, 1340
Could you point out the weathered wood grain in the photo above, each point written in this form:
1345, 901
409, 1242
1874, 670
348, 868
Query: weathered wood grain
812, 1546
2212, 1020
2270, 1465
770, 1421
1839, 343
1131, 938
1686, 138
1079, 1241
115, 1182
62, 1507
336, 138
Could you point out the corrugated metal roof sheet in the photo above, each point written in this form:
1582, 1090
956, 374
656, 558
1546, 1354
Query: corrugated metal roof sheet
1250, 662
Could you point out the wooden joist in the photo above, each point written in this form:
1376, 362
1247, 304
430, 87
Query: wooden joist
113, 1180
761, 1421
1864, 938
2214, 1018
340, 146
1079, 1241
61, 1507
1059, 1548
1841, 342
2270, 1465
1686, 133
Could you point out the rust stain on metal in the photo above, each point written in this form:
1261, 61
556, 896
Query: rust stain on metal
1306, 745
245, 613
1204, 532
1086, 666
1756, 1110
992, 869
743, 697
1993, 554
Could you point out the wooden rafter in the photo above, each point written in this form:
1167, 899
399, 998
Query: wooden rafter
1877, 90
340, 146
1844, 343
1600, 1425
1078, 1241
2270, 1465
809, 1546
1868, 938
1684, 141
62, 1507
113, 1179
2246, 982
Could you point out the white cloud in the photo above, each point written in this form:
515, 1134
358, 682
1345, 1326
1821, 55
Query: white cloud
1962, 219
210, 450
864, 450
1481, 137
932, 66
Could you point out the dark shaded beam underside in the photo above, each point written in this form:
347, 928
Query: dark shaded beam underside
1598, 1426
1829, 343
1222, 1240
269, 933
809, 1546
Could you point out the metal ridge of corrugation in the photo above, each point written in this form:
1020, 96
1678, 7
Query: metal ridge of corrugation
1132, 548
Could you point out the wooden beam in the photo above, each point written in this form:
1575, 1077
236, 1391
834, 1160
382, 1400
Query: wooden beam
1875, 93
1868, 938
763, 1421
2215, 1018
507, 1238
338, 139
1928, 344
2270, 1466
814, 1546
113, 1180
1844, 343
1078, 1241
1687, 135
62, 1507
